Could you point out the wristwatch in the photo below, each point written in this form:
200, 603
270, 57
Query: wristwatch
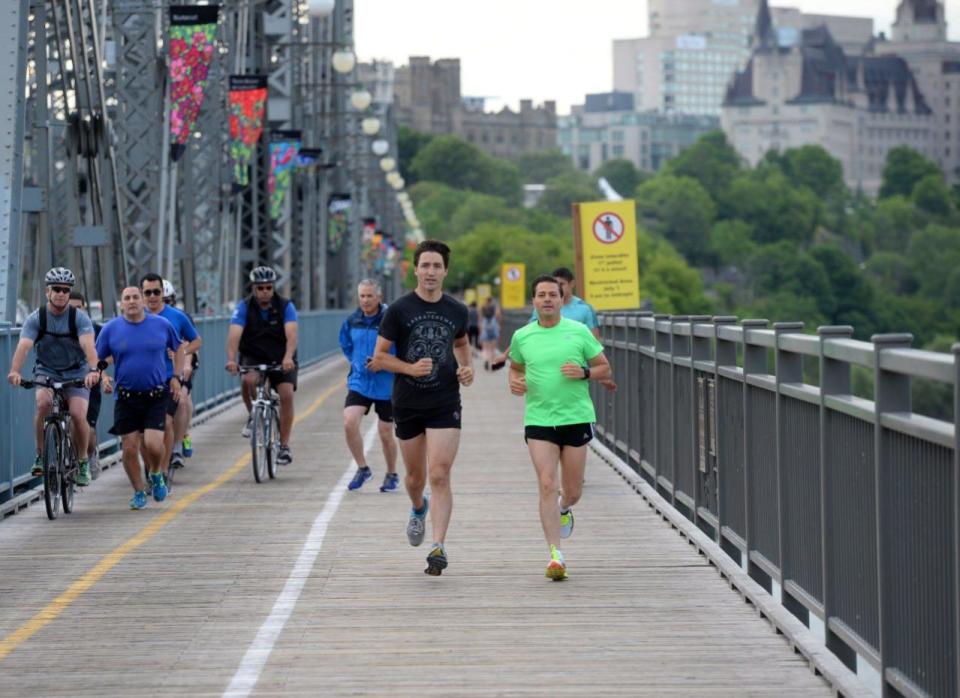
586, 373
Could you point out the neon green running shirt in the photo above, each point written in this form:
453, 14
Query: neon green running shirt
552, 399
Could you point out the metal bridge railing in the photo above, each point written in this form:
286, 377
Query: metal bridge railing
846, 509
212, 385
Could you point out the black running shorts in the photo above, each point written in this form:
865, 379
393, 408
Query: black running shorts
383, 408
139, 413
411, 423
574, 435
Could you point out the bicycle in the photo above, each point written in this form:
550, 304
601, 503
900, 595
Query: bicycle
264, 423
60, 463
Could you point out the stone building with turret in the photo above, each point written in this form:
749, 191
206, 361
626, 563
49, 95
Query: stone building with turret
857, 105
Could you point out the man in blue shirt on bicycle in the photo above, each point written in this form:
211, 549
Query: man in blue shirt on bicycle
366, 388
63, 339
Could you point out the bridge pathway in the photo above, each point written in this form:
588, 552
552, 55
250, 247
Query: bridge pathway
169, 601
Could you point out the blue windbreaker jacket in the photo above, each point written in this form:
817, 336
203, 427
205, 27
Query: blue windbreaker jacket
358, 337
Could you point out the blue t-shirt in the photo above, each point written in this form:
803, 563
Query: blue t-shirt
239, 316
139, 350
184, 327
577, 309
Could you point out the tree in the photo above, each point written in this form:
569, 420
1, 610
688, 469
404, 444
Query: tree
890, 272
813, 167
776, 209
903, 169
538, 167
681, 210
461, 165
564, 191
783, 268
480, 253
894, 221
621, 174
933, 254
712, 161
731, 243
931, 195
852, 292
409, 143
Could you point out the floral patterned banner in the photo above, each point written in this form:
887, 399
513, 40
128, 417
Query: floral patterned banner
338, 205
248, 105
284, 147
193, 31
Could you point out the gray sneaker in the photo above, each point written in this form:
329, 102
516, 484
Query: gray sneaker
417, 524
245, 432
95, 464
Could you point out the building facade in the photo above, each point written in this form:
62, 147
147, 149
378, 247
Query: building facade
857, 106
607, 127
427, 98
695, 46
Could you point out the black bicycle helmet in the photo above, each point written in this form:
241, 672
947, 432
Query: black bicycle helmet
60, 275
263, 275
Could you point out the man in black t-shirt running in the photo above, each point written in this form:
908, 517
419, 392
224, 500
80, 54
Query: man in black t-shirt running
433, 360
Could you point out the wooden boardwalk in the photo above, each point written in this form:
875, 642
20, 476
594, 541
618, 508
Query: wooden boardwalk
169, 601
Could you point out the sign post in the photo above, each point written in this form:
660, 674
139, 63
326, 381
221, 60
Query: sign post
605, 245
513, 282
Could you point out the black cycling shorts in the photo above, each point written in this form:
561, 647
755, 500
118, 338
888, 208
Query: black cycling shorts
384, 408
411, 423
574, 435
275, 377
140, 412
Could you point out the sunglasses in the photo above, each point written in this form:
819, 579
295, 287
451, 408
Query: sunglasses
60, 289
265, 288
153, 292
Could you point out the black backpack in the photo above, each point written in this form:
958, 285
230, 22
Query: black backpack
72, 319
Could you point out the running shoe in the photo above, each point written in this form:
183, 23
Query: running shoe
138, 500
436, 560
83, 474
284, 457
176, 460
187, 445
245, 432
361, 476
37, 469
391, 481
95, 464
557, 569
566, 523
159, 486
417, 524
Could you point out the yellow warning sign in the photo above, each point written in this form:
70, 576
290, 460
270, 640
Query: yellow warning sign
513, 285
605, 244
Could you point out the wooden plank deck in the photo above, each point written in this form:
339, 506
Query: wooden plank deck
642, 613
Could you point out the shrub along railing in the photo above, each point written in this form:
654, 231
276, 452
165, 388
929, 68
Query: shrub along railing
212, 385
846, 509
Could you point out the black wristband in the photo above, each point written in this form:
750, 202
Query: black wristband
586, 373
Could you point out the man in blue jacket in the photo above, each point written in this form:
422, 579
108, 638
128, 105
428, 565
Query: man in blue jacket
358, 337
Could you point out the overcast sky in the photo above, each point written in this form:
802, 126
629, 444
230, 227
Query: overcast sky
540, 49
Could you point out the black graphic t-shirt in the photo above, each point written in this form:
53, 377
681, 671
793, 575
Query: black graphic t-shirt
420, 329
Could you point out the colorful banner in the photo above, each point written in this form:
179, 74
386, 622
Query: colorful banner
284, 147
338, 206
605, 244
192, 33
513, 285
247, 103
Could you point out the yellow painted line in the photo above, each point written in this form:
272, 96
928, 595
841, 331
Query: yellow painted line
53, 609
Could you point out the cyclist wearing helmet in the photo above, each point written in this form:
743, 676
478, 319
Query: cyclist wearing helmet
264, 330
63, 339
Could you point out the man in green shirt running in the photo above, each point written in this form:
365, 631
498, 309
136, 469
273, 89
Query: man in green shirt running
551, 361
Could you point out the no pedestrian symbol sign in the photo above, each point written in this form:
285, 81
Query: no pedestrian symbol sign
513, 274
608, 227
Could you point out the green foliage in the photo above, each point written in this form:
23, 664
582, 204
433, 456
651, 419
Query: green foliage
781, 268
712, 161
477, 256
461, 165
932, 255
731, 242
890, 271
409, 143
621, 174
931, 195
904, 168
776, 210
537, 168
851, 291
811, 166
894, 222
565, 190
679, 209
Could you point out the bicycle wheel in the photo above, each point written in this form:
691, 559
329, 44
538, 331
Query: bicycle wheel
68, 475
274, 442
51, 470
259, 433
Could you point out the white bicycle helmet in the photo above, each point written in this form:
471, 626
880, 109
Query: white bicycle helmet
60, 275
263, 275
168, 290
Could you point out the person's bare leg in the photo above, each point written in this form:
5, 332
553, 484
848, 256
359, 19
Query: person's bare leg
286, 412
248, 388
573, 463
389, 445
442, 445
545, 457
153, 441
164, 461
131, 460
80, 430
351, 430
44, 400
415, 463
181, 420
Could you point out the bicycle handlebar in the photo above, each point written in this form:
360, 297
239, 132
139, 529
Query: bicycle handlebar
263, 368
55, 385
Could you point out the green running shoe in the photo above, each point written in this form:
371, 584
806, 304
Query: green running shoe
37, 469
83, 473
566, 523
557, 569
